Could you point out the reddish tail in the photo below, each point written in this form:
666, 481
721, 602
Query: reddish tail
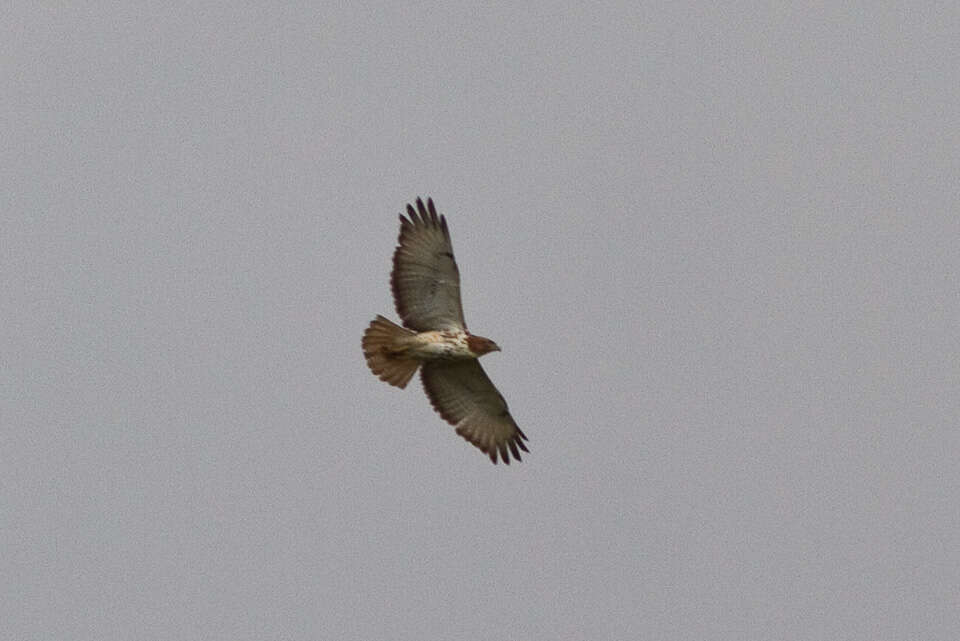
383, 346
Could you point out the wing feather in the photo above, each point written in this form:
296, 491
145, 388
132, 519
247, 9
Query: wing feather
425, 278
463, 394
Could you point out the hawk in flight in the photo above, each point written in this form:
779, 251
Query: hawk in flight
434, 338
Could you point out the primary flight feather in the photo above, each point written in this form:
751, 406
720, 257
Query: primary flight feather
434, 338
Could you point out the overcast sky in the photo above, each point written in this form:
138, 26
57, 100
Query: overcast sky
718, 246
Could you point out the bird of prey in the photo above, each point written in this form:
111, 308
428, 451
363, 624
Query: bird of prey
434, 338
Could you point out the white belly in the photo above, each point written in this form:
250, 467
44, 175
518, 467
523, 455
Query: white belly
439, 344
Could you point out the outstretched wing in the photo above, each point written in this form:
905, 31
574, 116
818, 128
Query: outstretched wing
464, 396
425, 279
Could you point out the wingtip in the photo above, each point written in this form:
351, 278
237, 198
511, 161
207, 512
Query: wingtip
424, 215
419, 213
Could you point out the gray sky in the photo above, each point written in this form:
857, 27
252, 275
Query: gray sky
719, 249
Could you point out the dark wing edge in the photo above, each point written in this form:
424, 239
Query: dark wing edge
447, 384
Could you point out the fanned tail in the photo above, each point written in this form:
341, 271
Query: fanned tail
384, 346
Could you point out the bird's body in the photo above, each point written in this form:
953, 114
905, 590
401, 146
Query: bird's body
426, 289
437, 344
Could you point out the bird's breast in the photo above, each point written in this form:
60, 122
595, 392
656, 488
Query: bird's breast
441, 344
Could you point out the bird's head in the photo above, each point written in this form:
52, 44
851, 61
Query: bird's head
480, 345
